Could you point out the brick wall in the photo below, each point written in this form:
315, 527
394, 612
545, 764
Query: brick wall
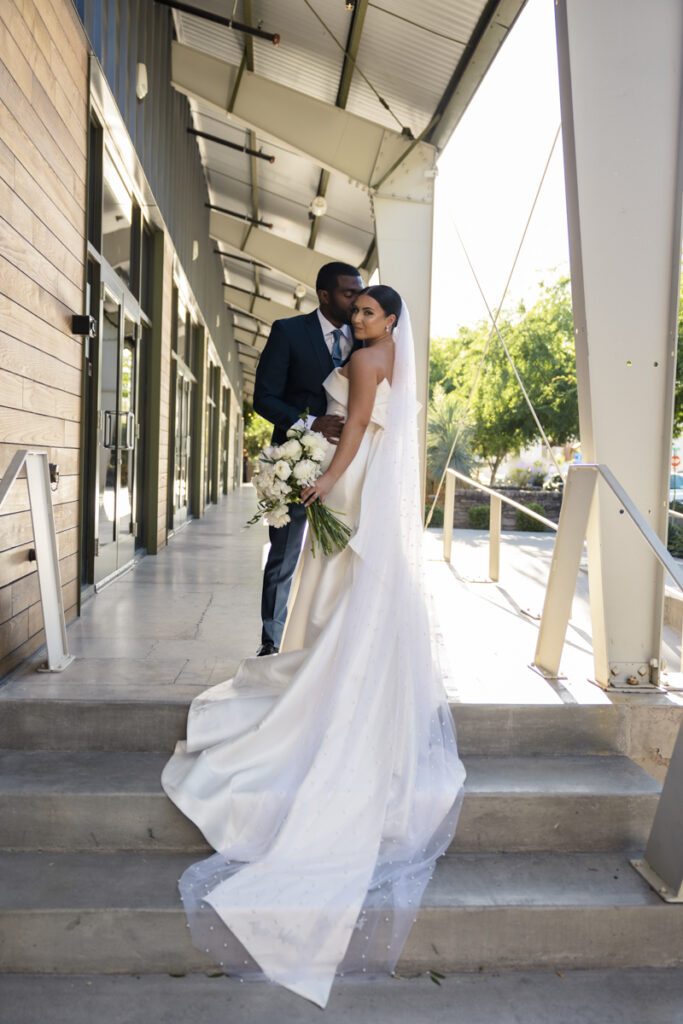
466, 497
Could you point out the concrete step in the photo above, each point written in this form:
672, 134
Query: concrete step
644, 732
82, 800
591, 997
120, 913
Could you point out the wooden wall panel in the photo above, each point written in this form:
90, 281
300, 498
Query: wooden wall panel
43, 127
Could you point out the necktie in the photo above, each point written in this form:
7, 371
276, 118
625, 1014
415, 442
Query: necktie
336, 347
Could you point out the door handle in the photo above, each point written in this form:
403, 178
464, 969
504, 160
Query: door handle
128, 440
109, 440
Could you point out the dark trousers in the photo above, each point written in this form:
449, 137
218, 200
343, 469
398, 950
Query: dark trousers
285, 547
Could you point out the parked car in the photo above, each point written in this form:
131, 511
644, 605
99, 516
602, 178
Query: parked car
676, 487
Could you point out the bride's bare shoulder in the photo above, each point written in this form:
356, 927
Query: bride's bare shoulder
370, 362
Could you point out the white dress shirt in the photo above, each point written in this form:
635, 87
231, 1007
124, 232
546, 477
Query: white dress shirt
346, 342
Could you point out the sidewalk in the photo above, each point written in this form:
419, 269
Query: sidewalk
182, 621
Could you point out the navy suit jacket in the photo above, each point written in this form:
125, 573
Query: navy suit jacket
290, 373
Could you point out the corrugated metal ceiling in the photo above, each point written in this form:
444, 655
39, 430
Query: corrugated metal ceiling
408, 51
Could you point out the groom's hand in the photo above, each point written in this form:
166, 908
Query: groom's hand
329, 426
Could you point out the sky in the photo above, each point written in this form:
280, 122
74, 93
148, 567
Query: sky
488, 176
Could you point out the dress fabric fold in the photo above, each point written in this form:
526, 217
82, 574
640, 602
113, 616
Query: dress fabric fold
327, 777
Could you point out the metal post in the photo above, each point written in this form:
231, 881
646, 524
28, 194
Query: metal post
47, 556
662, 865
495, 519
404, 210
564, 568
448, 514
621, 77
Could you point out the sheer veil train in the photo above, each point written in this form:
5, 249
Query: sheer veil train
328, 779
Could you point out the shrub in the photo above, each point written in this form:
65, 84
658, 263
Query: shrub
478, 517
524, 522
674, 540
437, 518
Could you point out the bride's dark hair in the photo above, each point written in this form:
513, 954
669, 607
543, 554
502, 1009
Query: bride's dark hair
387, 297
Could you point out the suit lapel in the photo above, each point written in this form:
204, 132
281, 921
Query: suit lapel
318, 344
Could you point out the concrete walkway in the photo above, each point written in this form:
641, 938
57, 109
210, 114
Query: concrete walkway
181, 621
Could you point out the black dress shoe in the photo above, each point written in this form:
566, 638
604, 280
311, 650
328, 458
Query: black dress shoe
267, 648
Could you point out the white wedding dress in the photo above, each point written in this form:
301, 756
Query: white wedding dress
327, 776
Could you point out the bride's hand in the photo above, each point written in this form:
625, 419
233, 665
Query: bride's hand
319, 489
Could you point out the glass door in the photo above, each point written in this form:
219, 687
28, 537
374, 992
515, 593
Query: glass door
183, 445
126, 526
117, 432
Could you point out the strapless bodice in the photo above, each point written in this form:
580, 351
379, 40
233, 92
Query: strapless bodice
337, 387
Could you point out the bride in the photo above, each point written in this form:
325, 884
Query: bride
327, 777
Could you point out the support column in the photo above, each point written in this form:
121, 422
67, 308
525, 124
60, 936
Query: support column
215, 385
198, 416
404, 213
621, 73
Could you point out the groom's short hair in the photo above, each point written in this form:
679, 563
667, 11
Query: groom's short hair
329, 274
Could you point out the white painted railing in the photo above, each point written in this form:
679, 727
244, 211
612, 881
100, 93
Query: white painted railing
495, 518
662, 865
47, 557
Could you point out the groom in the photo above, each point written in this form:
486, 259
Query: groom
299, 354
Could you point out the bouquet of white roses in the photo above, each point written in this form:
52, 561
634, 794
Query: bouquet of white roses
283, 472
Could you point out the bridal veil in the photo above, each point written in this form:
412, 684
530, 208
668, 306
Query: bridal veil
328, 780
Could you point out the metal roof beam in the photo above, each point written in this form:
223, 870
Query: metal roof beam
254, 339
348, 67
335, 139
489, 35
296, 261
255, 305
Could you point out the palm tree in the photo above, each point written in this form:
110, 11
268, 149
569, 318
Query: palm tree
444, 421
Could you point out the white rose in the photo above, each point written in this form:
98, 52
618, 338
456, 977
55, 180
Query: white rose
268, 452
305, 471
282, 469
264, 477
272, 493
278, 516
316, 447
291, 449
276, 452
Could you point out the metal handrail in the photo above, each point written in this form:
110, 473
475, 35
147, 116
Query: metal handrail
46, 552
495, 518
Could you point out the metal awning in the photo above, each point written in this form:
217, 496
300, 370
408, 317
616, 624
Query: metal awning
403, 71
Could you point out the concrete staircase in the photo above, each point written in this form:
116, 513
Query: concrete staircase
537, 878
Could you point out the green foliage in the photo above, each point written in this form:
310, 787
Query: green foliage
678, 401
524, 522
478, 517
257, 432
437, 517
444, 417
674, 539
541, 343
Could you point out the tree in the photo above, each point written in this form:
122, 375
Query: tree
257, 431
678, 398
541, 344
444, 420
